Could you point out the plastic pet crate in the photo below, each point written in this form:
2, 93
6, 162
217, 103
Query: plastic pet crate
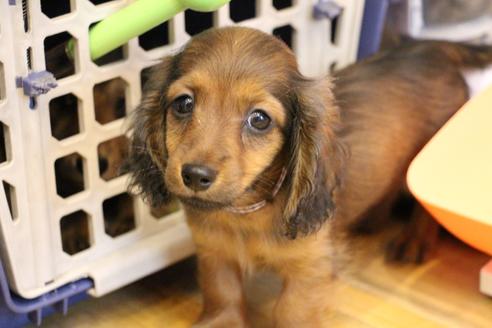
373, 22
455, 20
37, 218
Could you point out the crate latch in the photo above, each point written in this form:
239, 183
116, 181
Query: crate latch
35, 84
327, 9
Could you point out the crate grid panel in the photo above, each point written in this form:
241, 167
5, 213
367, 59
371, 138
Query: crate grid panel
14, 233
153, 242
87, 147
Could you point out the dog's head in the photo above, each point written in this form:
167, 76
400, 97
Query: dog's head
220, 120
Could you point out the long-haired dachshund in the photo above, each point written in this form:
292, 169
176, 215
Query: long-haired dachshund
261, 157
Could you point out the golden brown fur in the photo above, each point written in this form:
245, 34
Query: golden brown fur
391, 105
350, 154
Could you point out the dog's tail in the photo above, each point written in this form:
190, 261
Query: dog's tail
468, 56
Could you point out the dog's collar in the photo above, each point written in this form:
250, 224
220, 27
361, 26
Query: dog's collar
256, 206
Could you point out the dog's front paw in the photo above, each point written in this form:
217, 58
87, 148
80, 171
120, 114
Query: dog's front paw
405, 248
416, 241
410, 246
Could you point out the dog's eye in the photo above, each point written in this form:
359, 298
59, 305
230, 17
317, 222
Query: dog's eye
259, 120
183, 106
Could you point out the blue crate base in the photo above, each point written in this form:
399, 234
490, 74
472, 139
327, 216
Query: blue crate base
9, 319
16, 311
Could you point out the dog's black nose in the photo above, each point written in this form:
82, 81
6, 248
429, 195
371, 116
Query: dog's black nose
198, 177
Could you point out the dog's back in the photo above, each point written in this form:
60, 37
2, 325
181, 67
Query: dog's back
391, 105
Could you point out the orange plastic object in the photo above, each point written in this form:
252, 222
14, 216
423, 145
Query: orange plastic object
452, 175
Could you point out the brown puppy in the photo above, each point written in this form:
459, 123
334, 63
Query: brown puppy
255, 152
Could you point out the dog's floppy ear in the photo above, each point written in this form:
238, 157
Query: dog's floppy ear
147, 154
315, 157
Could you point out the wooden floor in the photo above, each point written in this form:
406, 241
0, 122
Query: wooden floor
441, 293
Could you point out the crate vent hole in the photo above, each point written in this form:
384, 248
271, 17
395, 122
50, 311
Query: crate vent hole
333, 67
74, 229
241, 10
162, 211
54, 9
5, 149
64, 116
196, 22
110, 101
29, 58
25, 15
3, 91
334, 29
11, 199
56, 58
69, 174
111, 154
286, 34
116, 55
118, 215
282, 4
144, 75
156, 37
98, 2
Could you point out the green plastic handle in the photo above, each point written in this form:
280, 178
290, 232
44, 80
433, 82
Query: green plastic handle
136, 19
